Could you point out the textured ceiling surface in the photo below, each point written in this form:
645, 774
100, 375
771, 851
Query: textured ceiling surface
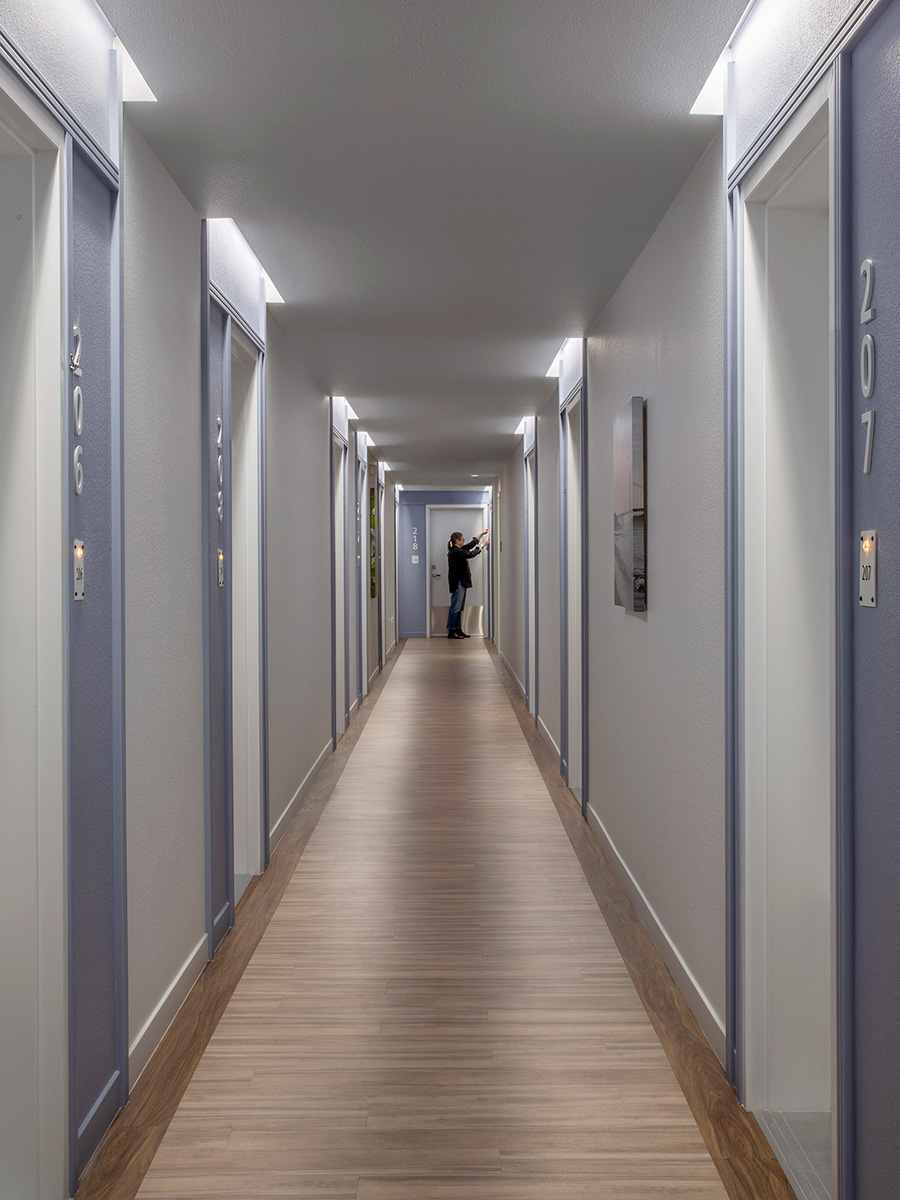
442, 190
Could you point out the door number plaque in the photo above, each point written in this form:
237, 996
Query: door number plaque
868, 557
79, 570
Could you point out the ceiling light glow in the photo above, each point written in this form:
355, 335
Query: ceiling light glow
711, 101
135, 88
553, 369
273, 296
240, 248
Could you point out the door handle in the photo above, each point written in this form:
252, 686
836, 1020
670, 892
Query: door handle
435, 575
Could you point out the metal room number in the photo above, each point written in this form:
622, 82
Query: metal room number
867, 358
220, 471
77, 414
220, 497
868, 539
867, 314
77, 454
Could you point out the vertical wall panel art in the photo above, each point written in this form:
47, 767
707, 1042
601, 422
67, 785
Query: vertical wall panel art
629, 458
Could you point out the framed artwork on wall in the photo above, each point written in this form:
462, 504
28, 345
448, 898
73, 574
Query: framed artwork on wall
630, 519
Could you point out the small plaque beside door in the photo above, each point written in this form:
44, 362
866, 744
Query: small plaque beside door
868, 561
79, 569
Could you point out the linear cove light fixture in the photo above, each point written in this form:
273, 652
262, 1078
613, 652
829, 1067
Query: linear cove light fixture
247, 256
135, 88
711, 101
553, 369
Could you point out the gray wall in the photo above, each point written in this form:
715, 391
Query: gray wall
414, 577
299, 579
511, 566
661, 337
163, 596
548, 569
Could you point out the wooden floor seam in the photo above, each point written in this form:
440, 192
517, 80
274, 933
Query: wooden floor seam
428, 997
744, 1159
117, 1169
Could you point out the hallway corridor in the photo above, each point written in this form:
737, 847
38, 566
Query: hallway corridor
437, 1008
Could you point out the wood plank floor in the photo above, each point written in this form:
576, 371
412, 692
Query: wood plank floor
437, 1008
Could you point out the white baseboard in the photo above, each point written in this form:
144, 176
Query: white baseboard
698, 1002
519, 684
353, 707
277, 831
548, 738
373, 677
154, 1028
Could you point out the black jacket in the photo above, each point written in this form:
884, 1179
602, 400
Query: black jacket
458, 571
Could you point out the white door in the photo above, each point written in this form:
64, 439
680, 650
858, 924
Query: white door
572, 614
531, 581
245, 613
470, 521
33, 829
789, 722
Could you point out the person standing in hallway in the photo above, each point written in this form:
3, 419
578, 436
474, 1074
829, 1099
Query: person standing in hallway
459, 577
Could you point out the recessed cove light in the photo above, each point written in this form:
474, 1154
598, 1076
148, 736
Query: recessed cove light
553, 369
135, 88
235, 245
273, 296
711, 101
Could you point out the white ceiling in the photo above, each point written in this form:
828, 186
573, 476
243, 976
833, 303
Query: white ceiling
442, 190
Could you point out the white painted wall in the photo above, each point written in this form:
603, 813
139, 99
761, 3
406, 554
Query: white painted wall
163, 598
299, 576
509, 551
777, 45
340, 500
58, 34
658, 679
548, 569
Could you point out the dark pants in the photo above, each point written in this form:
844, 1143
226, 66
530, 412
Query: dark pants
457, 603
